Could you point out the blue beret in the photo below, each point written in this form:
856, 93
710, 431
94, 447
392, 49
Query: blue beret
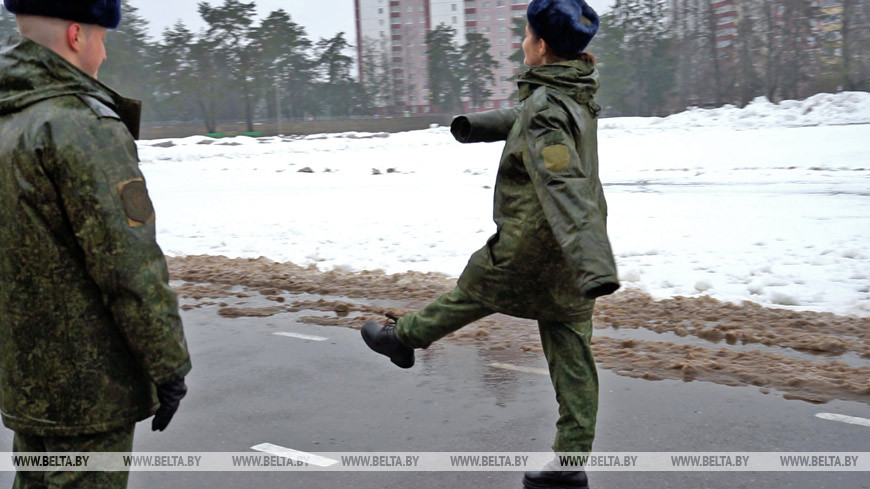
566, 25
106, 13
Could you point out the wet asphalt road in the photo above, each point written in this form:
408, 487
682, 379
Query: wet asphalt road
249, 386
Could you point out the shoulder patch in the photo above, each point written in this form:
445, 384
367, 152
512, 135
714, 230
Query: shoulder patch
137, 204
98, 107
557, 158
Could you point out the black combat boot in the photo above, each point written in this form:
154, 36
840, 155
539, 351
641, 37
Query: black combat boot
382, 339
552, 478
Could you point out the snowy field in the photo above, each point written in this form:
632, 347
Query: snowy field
769, 203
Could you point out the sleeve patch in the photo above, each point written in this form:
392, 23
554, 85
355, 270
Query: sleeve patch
557, 158
137, 204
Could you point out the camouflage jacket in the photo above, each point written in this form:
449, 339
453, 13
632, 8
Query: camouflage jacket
88, 323
550, 256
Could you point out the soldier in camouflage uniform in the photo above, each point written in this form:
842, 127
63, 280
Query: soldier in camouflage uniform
90, 337
550, 256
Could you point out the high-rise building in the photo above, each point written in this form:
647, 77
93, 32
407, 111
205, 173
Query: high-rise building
391, 46
830, 26
725, 13
721, 16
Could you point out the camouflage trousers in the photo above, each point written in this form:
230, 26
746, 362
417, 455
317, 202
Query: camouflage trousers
567, 347
112, 441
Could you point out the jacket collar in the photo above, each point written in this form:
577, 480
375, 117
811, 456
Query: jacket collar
577, 79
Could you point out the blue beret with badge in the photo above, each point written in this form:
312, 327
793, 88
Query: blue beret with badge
567, 26
106, 13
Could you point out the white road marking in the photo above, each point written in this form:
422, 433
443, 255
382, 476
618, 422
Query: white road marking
845, 419
302, 336
529, 370
294, 455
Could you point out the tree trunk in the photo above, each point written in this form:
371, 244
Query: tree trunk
714, 54
771, 70
249, 111
208, 116
848, 82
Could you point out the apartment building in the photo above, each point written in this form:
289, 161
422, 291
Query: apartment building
397, 29
725, 14
687, 16
830, 26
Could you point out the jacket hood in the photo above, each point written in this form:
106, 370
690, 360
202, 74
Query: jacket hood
577, 79
30, 73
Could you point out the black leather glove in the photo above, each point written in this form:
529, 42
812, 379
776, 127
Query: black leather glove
169, 395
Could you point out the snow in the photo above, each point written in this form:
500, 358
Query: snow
768, 203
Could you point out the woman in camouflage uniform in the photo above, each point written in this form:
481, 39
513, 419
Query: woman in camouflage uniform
550, 256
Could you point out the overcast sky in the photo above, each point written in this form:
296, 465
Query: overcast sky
321, 18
